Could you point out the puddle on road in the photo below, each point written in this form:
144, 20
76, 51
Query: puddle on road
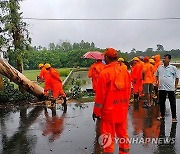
42, 130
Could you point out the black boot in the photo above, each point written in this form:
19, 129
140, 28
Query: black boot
136, 97
64, 105
53, 102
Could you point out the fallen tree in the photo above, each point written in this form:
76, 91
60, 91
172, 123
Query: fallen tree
14, 75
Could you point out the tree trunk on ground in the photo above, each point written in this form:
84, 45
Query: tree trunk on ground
14, 75
1, 83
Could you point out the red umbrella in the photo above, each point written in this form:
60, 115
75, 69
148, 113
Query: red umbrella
93, 55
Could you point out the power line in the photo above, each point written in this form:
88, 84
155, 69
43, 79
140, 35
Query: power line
101, 19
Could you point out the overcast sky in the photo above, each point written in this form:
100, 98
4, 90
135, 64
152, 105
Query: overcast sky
122, 35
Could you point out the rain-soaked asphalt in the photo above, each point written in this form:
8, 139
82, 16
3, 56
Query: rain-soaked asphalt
38, 130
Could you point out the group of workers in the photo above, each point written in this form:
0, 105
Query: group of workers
53, 83
112, 83
143, 78
142, 72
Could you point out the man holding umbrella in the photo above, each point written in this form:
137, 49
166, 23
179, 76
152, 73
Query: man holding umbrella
96, 67
94, 72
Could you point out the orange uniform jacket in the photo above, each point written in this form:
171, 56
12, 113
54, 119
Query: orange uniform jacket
157, 61
112, 94
44, 74
123, 66
136, 77
148, 73
94, 72
56, 83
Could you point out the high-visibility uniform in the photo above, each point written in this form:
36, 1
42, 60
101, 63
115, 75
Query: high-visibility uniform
111, 104
56, 83
157, 61
94, 72
136, 77
44, 74
148, 73
141, 83
123, 66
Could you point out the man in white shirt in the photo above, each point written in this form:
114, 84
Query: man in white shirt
168, 78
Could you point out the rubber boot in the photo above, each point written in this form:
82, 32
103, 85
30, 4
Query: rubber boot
53, 103
64, 105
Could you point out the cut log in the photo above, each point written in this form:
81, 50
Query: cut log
1, 83
14, 75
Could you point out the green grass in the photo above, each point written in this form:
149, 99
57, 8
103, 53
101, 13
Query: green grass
32, 74
175, 60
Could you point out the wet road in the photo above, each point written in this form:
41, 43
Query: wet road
38, 130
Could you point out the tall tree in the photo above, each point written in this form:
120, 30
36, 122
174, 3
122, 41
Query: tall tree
66, 45
14, 31
160, 47
133, 50
92, 45
149, 50
52, 46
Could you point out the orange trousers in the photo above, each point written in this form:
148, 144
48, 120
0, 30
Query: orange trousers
138, 87
57, 90
119, 130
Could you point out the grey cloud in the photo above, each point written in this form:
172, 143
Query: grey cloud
123, 35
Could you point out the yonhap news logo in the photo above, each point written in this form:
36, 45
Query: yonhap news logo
105, 140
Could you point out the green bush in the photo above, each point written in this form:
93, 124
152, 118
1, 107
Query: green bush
11, 94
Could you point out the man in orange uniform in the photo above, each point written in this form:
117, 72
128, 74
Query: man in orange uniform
94, 72
56, 84
44, 75
136, 77
121, 62
148, 80
141, 68
155, 91
112, 101
157, 59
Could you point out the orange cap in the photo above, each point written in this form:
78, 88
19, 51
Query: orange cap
111, 52
146, 58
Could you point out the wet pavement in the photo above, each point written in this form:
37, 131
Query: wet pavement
40, 130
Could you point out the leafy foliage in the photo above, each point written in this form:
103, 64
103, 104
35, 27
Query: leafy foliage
10, 94
14, 37
60, 55
151, 52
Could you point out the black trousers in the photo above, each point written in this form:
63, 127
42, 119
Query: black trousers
162, 100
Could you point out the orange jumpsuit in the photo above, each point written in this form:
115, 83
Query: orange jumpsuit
154, 76
141, 84
94, 72
157, 61
56, 83
123, 65
148, 73
111, 104
44, 74
136, 77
